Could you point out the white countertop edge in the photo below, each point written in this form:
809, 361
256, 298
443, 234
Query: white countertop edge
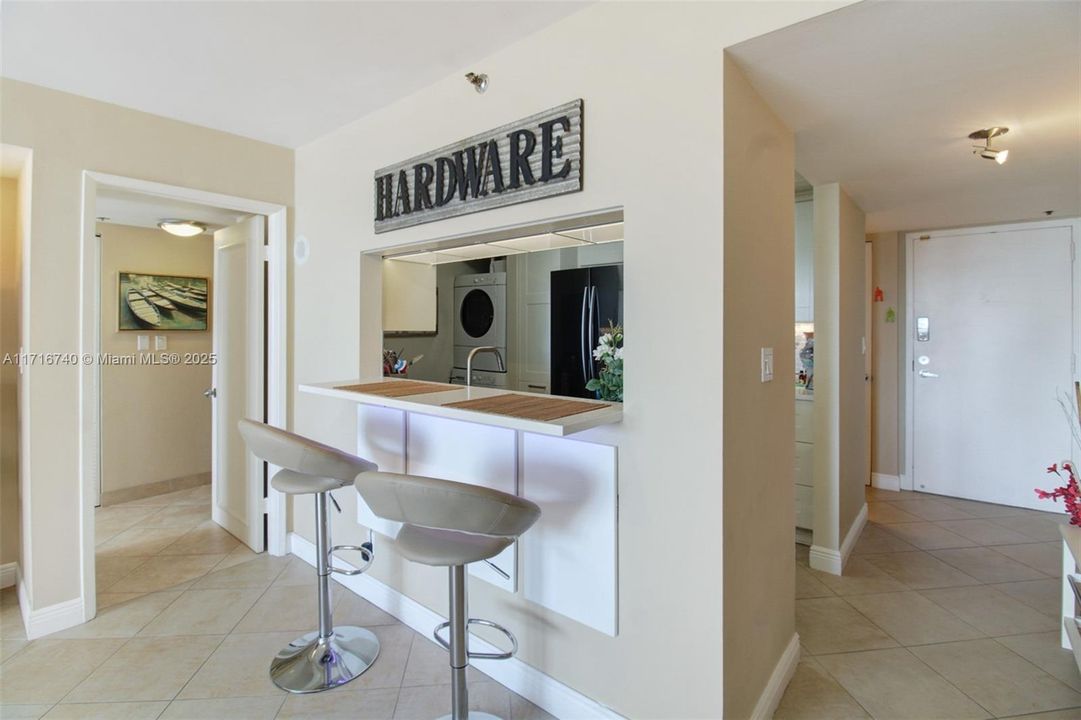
431, 404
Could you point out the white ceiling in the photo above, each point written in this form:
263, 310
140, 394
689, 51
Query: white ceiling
882, 96
122, 207
282, 72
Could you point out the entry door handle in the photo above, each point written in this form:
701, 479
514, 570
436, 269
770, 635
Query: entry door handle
928, 374
210, 393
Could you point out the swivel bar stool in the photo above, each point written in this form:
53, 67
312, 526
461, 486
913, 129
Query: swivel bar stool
330, 656
450, 524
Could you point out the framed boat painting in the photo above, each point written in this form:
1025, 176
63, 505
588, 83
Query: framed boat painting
163, 302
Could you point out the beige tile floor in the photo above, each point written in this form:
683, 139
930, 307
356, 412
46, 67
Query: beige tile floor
188, 620
947, 609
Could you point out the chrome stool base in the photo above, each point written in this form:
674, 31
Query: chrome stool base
312, 664
473, 715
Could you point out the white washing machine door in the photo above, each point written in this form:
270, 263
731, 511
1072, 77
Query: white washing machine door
480, 314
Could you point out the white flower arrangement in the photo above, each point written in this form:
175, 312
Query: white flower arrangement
609, 352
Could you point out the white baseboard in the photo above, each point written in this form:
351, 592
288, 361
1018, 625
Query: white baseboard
778, 681
886, 482
834, 561
232, 525
804, 536
906, 484
826, 560
853, 534
525, 680
47, 620
9, 574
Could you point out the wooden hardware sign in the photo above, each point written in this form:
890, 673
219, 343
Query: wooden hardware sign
536, 157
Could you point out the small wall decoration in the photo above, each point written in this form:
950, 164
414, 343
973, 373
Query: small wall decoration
891, 315
162, 302
879, 295
535, 157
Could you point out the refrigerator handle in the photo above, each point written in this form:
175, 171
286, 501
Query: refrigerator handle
592, 330
582, 335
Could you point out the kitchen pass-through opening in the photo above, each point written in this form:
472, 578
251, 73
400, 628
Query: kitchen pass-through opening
536, 309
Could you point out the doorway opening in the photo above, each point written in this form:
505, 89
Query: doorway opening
15, 184
185, 335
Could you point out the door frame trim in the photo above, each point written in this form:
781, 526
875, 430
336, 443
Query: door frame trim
907, 428
89, 391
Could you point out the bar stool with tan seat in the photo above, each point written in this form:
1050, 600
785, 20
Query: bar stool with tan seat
329, 656
450, 524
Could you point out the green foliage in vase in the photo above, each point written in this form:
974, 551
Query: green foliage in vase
609, 383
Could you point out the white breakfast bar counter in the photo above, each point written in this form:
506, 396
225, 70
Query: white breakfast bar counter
568, 561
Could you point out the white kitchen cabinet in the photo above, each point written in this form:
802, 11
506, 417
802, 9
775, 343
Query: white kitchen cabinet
435, 447
425, 445
805, 266
380, 439
804, 507
569, 556
603, 254
567, 562
410, 300
804, 469
804, 418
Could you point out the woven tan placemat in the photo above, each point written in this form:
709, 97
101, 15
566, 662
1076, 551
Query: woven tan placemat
398, 388
526, 406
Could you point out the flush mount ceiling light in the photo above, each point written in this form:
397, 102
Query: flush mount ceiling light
182, 228
478, 80
986, 151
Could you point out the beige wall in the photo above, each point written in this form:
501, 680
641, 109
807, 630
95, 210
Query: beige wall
663, 163
10, 251
887, 274
855, 449
155, 422
840, 426
68, 135
759, 418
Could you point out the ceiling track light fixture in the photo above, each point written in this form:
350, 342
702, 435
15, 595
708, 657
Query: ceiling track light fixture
182, 228
986, 151
479, 81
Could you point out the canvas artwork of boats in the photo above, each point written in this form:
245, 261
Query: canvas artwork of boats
158, 301
141, 308
163, 302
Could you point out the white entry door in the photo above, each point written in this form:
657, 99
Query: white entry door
992, 349
237, 317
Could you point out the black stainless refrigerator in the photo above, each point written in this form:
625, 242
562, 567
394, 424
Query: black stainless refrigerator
585, 301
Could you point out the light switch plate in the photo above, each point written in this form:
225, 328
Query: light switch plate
160, 342
142, 342
767, 364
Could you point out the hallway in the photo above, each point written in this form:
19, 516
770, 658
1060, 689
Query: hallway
188, 621
948, 608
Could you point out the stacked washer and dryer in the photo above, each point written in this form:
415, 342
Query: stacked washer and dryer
480, 319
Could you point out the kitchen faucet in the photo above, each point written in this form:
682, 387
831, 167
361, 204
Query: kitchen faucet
469, 361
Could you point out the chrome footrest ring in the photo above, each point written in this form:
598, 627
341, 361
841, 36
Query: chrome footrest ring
366, 552
479, 655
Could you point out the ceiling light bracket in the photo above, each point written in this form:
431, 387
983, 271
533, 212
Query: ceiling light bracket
988, 133
986, 151
479, 81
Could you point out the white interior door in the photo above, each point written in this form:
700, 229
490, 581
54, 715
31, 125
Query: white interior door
991, 362
237, 316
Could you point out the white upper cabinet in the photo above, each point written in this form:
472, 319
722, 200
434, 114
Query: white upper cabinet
805, 261
409, 297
